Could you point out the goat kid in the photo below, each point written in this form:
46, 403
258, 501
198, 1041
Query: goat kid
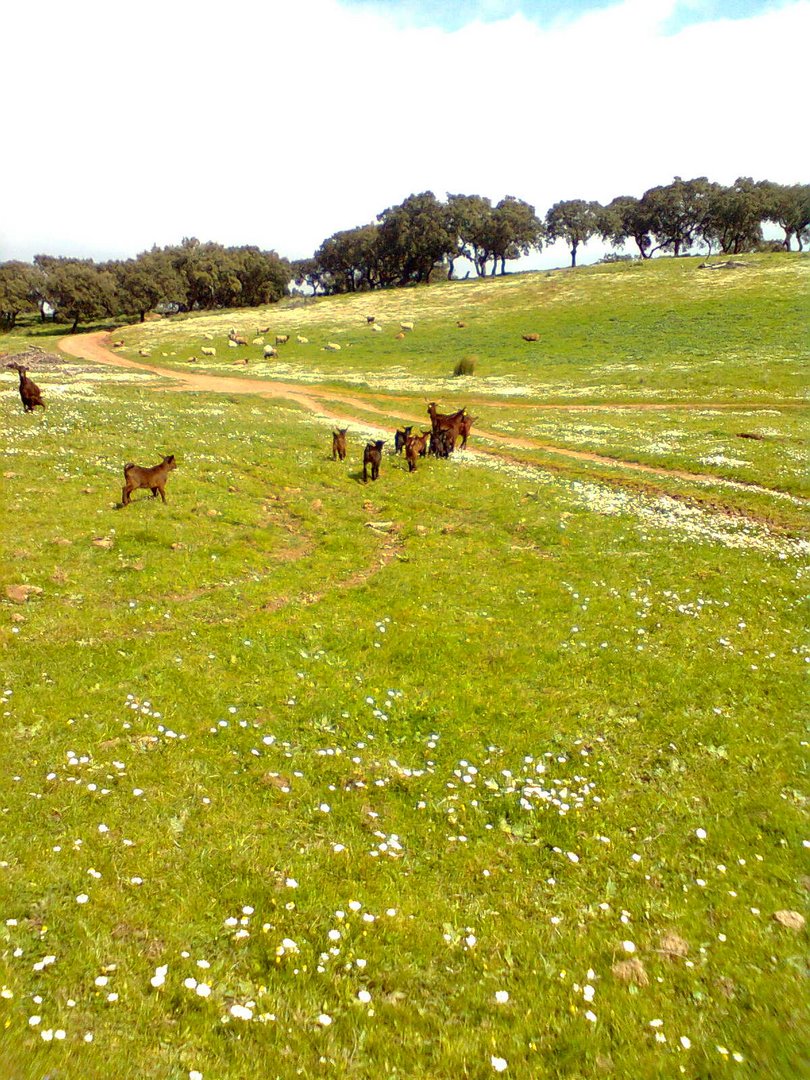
401, 437
339, 444
372, 455
416, 447
154, 478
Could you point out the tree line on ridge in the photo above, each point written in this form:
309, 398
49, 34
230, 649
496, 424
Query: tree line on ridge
417, 241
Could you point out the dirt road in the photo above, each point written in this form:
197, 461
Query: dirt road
95, 347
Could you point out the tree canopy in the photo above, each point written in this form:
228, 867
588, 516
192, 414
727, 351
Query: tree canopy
410, 243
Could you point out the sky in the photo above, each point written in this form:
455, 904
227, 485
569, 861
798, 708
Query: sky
278, 124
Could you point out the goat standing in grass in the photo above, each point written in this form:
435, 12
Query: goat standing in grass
30, 393
467, 422
372, 455
401, 437
415, 447
339, 444
154, 478
446, 429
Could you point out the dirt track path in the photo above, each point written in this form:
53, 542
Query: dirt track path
94, 347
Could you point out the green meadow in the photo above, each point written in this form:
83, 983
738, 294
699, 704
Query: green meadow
494, 768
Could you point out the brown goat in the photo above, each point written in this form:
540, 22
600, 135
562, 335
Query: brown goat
237, 340
372, 455
282, 339
446, 429
339, 444
154, 478
442, 443
401, 437
415, 447
30, 393
467, 422
531, 337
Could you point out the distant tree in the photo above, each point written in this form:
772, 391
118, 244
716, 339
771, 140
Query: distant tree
20, 285
308, 272
471, 224
625, 218
349, 261
733, 217
788, 207
677, 212
77, 289
413, 237
145, 282
263, 275
574, 221
516, 230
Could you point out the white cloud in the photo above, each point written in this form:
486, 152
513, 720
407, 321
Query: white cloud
278, 125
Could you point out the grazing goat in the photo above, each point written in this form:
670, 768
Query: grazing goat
376, 328
257, 341
154, 478
332, 346
117, 344
30, 393
406, 326
370, 319
415, 447
235, 339
262, 330
372, 455
208, 352
531, 337
282, 339
339, 444
401, 438
467, 422
270, 351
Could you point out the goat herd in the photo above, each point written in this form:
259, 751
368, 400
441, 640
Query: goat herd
446, 429
440, 440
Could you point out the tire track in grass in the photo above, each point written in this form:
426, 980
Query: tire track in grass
94, 347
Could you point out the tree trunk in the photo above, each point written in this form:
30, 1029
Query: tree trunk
574, 255
75, 325
143, 316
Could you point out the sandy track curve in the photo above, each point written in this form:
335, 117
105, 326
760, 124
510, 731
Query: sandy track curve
94, 347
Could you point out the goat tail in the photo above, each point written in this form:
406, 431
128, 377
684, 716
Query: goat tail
128, 466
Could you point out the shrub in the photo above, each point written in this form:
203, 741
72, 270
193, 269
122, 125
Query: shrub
465, 366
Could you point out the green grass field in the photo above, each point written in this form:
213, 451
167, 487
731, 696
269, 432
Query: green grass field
495, 767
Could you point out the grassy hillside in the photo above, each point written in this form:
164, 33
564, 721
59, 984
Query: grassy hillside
492, 767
